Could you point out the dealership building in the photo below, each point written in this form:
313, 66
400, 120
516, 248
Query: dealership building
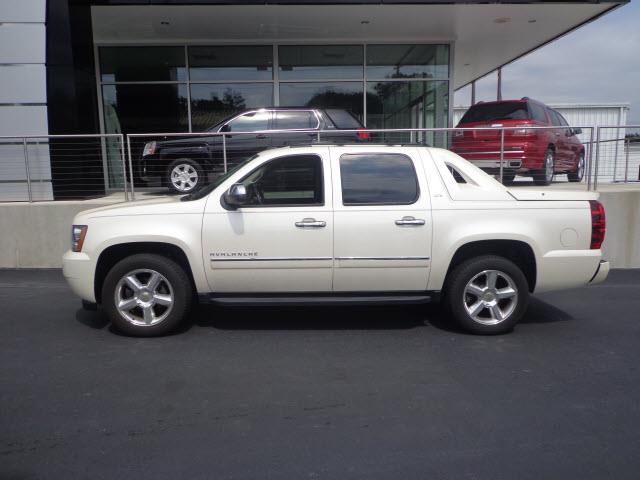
132, 66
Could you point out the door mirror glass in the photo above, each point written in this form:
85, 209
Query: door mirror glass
236, 196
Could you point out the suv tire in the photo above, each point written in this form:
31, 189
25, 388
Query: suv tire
486, 295
146, 295
544, 176
184, 175
578, 175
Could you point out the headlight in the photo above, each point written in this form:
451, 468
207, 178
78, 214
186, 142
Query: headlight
78, 232
149, 149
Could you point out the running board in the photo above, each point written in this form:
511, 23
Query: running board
313, 300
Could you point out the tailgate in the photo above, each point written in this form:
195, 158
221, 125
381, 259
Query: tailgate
525, 194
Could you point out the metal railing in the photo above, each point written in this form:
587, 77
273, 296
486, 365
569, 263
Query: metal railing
64, 167
617, 154
35, 168
500, 150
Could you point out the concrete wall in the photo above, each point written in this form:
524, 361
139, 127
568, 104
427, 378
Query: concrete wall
37, 234
622, 242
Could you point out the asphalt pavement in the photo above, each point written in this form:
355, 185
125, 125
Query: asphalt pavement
315, 393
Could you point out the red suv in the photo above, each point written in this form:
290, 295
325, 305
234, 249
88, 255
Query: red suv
536, 152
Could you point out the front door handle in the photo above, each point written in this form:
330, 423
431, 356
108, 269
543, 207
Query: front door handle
311, 223
410, 221
261, 136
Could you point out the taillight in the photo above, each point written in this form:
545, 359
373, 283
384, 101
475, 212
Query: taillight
598, 224
363, 134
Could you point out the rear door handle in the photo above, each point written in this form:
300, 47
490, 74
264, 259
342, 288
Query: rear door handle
311, 223
410, 221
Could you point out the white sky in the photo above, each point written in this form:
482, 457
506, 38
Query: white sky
598, 63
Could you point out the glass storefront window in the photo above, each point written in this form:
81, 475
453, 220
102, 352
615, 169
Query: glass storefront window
320, 62
345, 95
146, 108
231, 63
409, 105
407, 61
142, 64
212, 102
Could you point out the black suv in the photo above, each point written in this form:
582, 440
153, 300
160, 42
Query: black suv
185, 164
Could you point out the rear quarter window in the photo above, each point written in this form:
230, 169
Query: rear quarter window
343, 119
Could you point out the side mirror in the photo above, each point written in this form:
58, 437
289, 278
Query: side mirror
236, 196
576, 131
225, 128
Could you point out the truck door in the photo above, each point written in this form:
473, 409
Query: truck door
382, 221
281, 240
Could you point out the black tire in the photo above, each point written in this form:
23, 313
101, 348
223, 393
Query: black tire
507, 178
541, 177
457, 300
175, 284
194, 176
578, 174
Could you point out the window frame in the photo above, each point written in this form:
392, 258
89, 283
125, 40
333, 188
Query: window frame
415, 200
285, 205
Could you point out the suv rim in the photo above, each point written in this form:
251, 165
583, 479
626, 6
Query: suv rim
184, 177
548, 166
144, 297
580, 169
490, 297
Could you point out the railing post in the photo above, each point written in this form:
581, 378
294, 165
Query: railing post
224, 151
590, 160
26, 168
595, 171
501, 155
124, 168
626, 162
133, 193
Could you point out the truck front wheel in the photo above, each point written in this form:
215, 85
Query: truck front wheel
184, 175
146, 295
486, 295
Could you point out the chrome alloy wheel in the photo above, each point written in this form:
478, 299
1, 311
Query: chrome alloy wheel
548, 166
144, 297
490, 297
184, 177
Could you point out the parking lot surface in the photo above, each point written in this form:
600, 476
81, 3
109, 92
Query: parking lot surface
294, 393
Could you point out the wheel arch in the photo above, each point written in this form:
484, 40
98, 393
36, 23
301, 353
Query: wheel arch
518, 251
114, 253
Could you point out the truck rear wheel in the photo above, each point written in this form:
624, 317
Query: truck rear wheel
486, 295
146, 295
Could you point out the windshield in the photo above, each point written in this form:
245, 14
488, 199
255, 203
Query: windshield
496, 111
207, 189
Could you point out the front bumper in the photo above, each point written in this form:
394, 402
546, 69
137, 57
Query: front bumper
78, 270
601, 273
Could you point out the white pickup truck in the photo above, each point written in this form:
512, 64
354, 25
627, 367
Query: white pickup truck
334, 225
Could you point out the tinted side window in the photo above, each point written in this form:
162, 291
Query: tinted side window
250, 122
295, 120
290, 180
378, 179
537, 112
555, 119
343, 119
